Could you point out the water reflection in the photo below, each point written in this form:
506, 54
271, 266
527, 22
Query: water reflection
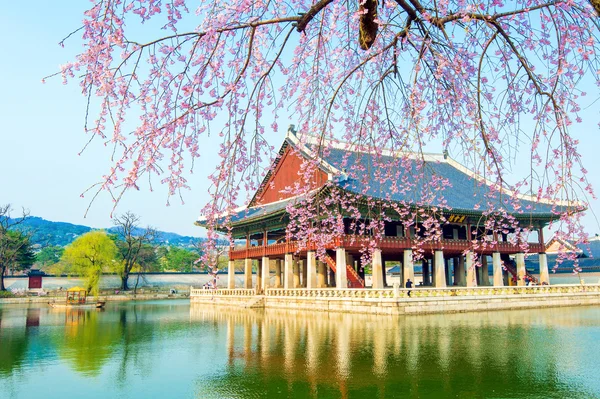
303, 354
169, 349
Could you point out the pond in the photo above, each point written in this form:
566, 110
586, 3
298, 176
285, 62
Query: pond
173, 350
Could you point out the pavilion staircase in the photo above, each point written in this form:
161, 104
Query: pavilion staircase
354, 280
513, 271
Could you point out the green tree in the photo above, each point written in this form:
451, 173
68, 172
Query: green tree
131, 240
14, 244
48, 256
178, 259
90, 255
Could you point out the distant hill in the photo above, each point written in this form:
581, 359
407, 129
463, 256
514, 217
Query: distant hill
45, 232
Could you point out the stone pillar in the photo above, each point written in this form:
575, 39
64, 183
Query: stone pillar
310, 277
426, 274
485, 274
471, 277
439, 270
259, 279
288, 274
497, 267
377, 267
341, 279
296, 269
321, 274
544, 275
265, 273
408, 269
330, 277
459, 272
448, 271
247, 273
231, 274
520, 259
304, 272
278, 283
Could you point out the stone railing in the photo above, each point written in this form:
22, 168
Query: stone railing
223, 292
391, 293
433, 292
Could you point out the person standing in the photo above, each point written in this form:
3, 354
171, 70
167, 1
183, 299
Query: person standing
409, 285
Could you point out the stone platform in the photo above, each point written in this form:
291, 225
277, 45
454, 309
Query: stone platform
395, 301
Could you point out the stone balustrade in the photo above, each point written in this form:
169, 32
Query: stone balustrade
222, 292
392, 293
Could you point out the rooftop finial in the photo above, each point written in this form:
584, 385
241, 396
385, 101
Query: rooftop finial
292, 129
445, 153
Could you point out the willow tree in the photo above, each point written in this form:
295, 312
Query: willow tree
490, 81
89, 256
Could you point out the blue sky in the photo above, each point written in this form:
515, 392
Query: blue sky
42, 132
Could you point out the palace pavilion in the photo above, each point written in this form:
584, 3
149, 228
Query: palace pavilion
282, 263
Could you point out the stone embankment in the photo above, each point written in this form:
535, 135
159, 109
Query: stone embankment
398, 302
127, 296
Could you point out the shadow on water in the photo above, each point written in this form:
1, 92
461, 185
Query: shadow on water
513, 354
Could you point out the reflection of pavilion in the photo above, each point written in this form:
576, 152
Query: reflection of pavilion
447, 262
350, 353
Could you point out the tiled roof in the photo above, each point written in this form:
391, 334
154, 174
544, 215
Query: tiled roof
249, 214
592, 249
465, 192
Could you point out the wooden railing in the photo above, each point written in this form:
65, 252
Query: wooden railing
352, 242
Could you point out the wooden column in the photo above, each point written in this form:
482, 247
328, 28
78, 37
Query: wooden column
341, 279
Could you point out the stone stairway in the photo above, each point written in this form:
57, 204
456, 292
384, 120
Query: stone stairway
354, 280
